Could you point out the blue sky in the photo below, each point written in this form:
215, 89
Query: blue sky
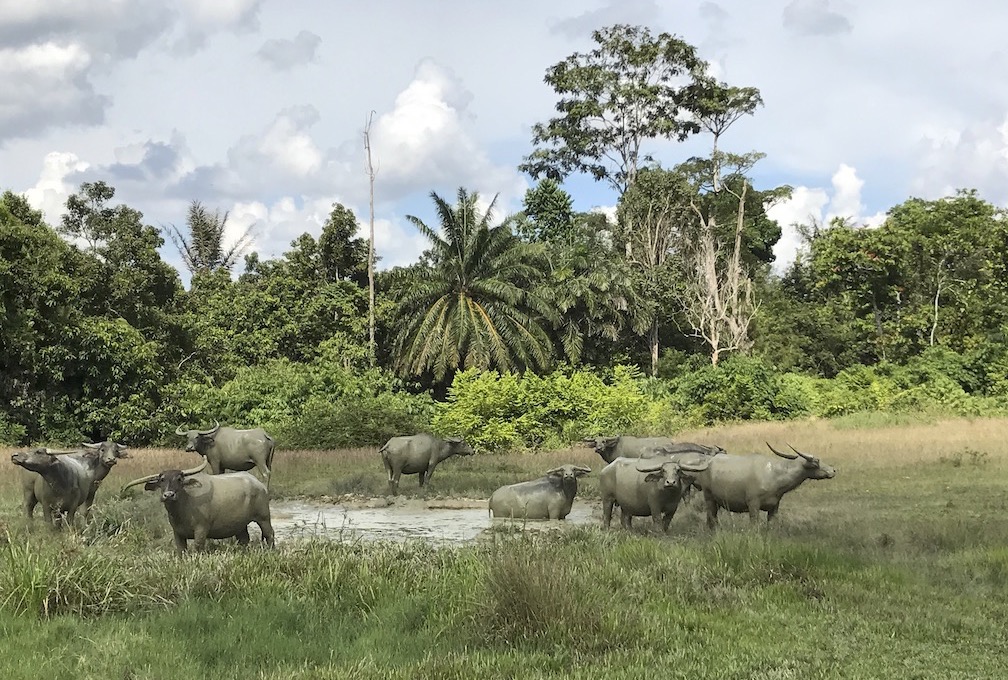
257, 107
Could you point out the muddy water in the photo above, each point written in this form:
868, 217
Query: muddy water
402, 520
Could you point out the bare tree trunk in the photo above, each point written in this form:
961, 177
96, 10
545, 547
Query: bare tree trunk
654, 347
938, 290
372, 350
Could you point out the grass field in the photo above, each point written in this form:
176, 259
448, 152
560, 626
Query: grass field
897, 568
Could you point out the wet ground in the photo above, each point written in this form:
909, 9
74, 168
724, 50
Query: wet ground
388, 519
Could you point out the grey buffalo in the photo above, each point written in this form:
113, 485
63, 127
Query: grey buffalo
202, 506
751, 483
35, 489
62, 483
418, 454
646, 487
549, 497
226, 448
625, 446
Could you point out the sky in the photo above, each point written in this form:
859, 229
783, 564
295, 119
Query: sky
258, 107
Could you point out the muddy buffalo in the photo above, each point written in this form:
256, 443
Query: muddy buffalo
202, 506
418, 454
227, 448
549, 497
753, 483
646, 487
35, 490
62, 483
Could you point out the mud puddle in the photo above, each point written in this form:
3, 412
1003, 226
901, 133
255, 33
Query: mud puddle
447, 522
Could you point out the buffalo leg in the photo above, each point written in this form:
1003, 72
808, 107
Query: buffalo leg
771, 513
180, 543
29, 504
266, 527
712, 510
607, 506
243, 537
754, 510
626, 519
200, 539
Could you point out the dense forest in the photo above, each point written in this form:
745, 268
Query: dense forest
518, 331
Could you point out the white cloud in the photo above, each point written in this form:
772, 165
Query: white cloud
51, 191
285, 54
974, 157
44, 85
808, 205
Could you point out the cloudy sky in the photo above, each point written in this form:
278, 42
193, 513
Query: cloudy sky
258, 107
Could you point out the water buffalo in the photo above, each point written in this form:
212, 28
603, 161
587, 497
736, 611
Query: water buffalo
63, 482
202, 506
549, 497
35, 489
418, 454
226, 448
646, 487
625, 446
750, 483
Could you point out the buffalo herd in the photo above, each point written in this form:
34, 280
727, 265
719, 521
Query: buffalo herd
642, 476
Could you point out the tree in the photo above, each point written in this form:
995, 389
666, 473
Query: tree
372, 350
631, 88
203, 251
719, 300
658, 205
473, 300
548, 213
87, 217
343, 255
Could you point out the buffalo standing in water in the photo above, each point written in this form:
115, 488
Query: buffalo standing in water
226, 448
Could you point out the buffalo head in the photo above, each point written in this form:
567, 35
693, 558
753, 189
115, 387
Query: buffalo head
459, 447
567, 472
37, 460
199, 440
108, 452
814, 469
170, 482
673, 473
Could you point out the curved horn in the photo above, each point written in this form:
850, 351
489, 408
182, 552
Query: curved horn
654, 465
179, 431
582, 469
89, 445
212, 430
195, 470
695, 465
142, 480
789, 456
554, 471
803, 455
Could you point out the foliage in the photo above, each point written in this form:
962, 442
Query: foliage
631, 88
317, 405
204, 251
494, 411
473, 301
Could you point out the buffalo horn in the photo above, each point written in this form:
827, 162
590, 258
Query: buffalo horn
142, 480
803, 455
179, 431
151, 478
583, 470
90, 445
789, 456
654, 465
212, 430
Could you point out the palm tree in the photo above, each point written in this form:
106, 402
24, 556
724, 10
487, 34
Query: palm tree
472, 301
203, 252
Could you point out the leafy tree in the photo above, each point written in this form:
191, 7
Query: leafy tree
343, 256
473, 300
87, 217
204, 251
631, 88
548, 213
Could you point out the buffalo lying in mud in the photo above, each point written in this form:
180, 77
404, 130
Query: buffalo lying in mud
202, 506
226, 448
549, 497
418, 454
751, 483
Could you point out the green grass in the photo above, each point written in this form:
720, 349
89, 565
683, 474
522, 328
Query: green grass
897, 568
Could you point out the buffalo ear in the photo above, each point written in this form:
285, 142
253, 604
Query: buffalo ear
152, 484
191, 481
654, 476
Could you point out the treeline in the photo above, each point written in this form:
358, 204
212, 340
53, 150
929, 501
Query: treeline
100, 338
524, 330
